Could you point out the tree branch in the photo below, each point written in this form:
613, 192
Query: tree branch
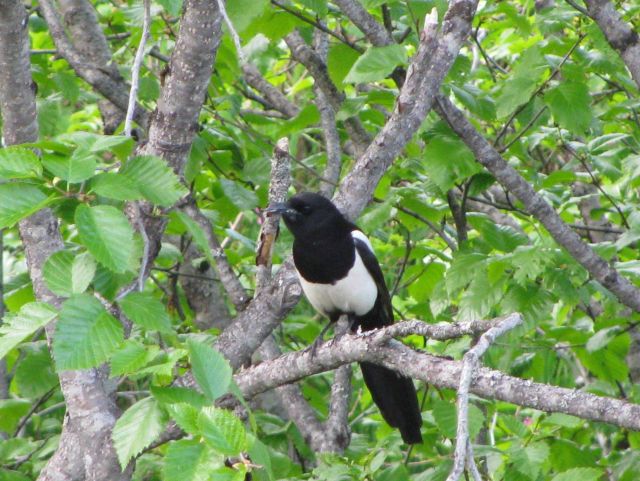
618, 33
430, 64
536, 206
375, 346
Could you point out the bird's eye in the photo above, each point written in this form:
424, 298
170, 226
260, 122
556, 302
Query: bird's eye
305, 209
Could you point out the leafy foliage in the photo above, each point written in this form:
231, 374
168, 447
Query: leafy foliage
541, 84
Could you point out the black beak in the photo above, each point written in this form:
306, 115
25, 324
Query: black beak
279, 208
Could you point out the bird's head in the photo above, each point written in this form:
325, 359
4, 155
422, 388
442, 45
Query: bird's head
309, 214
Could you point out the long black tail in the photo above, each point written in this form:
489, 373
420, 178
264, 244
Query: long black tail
395, 395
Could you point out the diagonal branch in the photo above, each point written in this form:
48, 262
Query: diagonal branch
536, 206
104, 78
619, 34
435, 55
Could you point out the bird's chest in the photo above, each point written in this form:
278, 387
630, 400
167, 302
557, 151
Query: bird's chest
333, 288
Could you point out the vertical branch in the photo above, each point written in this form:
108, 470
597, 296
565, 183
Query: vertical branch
470, 364
135, 69
328, 122
280, 181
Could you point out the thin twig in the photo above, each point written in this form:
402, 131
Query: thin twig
317, 25
463, 453
135, 69
555, 72
145, 249
234, 34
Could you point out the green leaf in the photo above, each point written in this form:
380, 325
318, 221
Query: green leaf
138, 427
105, 231
446, 417
222, 430
184, 462
340, 60
175, 394
579, 474
131, 357
67, 273
185, 416
154, 179
570, 104
196, 232
18, 201
515, 93
86, 335
242, 12
11, 410
19, 163
146, 311
16, 327
35, 373
210, 368
172, 7
448, 161
601, 338
529, 460
77, 168
376, 64
243, 199
115, 186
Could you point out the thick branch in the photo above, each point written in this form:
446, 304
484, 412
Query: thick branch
104, 79
308, 57
619, 34
490, 384
432, 61
535, 205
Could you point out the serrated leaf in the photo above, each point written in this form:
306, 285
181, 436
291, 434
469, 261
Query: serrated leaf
183, 462
442, 169
18, 200
154, 179
175, 394
19, 163
138, 427
74, 169
16, 327
67, 273
86, 334
570, 104
185, 416
107, 234
579, 474
131, 357
146, 311
222, 430
446, 418
242, 198
115, 186
528, 460
210, 368
376, 63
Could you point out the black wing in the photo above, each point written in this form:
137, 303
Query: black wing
382, 312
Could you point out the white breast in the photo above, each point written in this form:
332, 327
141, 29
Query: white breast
356, 293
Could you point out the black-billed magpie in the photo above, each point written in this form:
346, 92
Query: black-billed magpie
340, 275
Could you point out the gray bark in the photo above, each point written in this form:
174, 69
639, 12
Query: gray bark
375, 346
619, 34
536, 206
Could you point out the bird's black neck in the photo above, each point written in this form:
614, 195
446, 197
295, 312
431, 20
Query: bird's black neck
324, 259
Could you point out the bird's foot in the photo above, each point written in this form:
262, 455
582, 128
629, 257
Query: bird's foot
313, 348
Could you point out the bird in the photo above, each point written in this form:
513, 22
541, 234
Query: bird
340, 275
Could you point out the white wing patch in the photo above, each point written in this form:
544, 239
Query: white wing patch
355, 293
358, 234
